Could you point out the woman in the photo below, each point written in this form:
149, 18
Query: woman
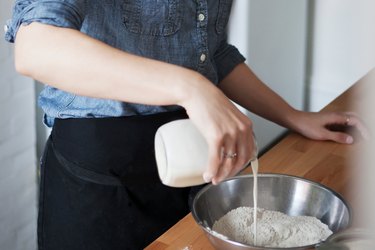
116, 71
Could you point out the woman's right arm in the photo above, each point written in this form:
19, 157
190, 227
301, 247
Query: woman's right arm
74, 62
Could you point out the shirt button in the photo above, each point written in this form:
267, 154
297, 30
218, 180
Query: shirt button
203, 57
201, 17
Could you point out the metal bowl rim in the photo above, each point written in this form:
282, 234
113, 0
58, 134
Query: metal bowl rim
204, 189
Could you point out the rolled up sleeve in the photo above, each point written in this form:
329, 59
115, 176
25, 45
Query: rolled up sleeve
227, 57
60, 13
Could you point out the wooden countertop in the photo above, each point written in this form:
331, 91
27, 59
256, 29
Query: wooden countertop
328, 163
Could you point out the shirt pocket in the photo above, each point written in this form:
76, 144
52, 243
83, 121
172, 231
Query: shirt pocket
223, 15
150, 17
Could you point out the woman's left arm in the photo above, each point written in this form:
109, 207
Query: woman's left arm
243, 87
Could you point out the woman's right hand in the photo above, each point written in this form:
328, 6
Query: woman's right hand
226, 129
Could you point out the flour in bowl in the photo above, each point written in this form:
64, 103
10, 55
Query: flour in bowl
274, 229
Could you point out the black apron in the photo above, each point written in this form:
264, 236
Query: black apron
100, 187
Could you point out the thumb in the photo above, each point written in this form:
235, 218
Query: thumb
340, 137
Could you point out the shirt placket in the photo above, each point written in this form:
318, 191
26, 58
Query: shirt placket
202, 23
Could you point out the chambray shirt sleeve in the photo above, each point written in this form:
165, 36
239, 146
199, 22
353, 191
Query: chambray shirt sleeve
60, 13
226, 58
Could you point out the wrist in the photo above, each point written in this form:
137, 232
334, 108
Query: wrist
191, 85
293, 120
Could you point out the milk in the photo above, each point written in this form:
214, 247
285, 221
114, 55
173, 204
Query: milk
254, 167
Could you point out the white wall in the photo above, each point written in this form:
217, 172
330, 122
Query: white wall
18, 189
309, 52
272, 36
343, 51
343, 47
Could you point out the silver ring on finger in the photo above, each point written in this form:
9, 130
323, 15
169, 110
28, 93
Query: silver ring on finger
347, 120
230, 155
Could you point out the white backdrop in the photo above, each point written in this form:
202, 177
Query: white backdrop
271, 34
309, 52
343, 47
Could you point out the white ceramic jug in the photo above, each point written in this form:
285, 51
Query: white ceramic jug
181, 154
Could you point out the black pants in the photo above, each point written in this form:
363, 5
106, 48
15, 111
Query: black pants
100, 187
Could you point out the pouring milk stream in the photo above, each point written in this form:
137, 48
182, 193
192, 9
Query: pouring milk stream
181, 155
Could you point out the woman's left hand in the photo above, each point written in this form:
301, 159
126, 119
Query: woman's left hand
330, 126
243, 87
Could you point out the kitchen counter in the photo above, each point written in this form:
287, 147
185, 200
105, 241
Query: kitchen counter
328, 163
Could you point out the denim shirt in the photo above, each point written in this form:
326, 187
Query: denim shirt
189, 33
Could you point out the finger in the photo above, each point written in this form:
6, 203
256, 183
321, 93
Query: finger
336, 118
348, 119
214, 160
229, 159
340, 137
354, 121
245, 151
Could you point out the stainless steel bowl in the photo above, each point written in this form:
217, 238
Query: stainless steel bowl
284, 193
350, 239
